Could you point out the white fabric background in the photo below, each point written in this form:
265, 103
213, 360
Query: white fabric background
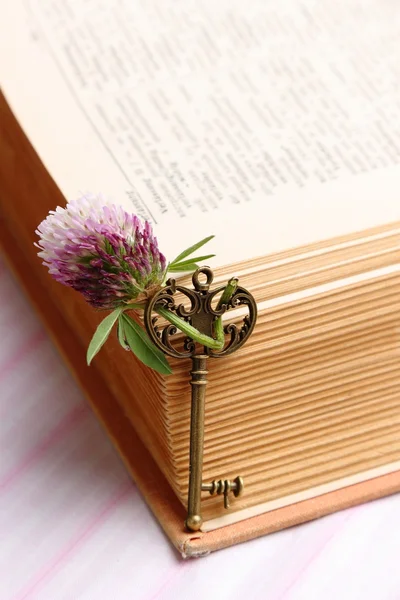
73, 526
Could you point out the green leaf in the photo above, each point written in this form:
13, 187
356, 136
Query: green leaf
194, 259
228, 292
101, 334
189, 330
179, 269
192, 249
142, 346
121, 334
226, 295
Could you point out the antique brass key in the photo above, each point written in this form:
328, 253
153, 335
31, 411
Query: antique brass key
202, 315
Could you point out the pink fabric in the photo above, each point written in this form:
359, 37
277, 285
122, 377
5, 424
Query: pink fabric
73, 545
73, 526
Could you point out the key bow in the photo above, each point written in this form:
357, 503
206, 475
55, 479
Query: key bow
201, 313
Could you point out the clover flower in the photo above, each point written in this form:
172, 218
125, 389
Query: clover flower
113, 259
100, 250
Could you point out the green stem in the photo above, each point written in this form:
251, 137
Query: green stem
190, 331
226, 295
134, 307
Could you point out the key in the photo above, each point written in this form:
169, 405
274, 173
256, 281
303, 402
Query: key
205, 318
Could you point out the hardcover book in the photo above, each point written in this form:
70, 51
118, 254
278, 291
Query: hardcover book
276, 128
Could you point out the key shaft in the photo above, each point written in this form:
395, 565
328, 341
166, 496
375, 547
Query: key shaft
198, 382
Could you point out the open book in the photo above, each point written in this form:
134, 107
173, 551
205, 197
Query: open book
276, 128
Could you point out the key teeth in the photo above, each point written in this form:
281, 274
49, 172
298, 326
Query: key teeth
219, 486
224, 486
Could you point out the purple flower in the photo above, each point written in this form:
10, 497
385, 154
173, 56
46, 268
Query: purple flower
100, 250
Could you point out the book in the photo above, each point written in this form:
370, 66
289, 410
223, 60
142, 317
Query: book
202, 123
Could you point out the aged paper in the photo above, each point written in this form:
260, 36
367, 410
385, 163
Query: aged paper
275, 124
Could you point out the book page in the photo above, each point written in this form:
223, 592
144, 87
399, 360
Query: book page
278, 123
314, 493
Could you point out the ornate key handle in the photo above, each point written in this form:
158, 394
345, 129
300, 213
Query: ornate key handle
202, 313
